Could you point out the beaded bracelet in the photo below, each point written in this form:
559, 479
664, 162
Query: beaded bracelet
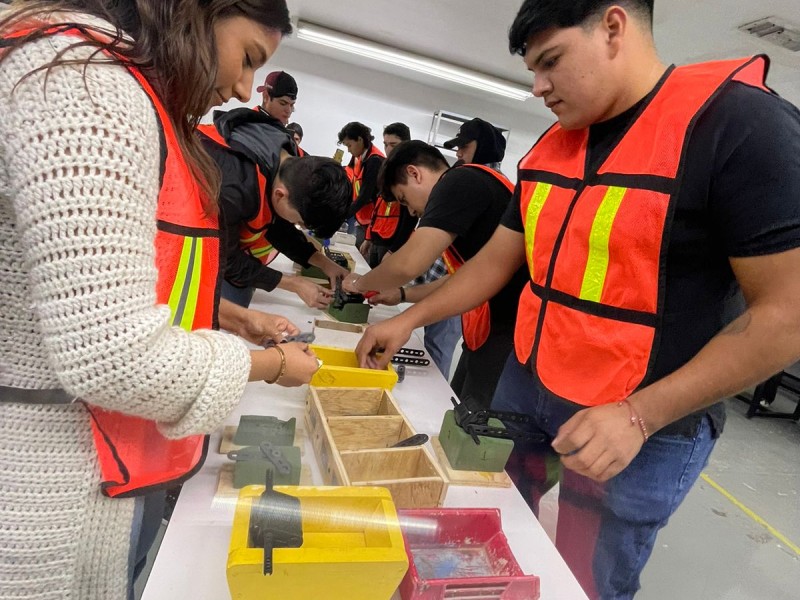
402, 294
282, 370
636, 419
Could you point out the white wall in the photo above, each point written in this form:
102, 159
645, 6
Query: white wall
333, 93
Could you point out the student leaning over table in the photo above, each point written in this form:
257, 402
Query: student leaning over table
663, 272
85, 221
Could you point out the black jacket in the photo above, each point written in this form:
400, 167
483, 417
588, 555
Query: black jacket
256, 140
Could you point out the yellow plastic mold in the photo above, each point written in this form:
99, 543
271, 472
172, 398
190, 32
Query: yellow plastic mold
352, 548
340, 369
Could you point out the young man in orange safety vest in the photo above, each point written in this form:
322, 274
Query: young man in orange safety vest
266, 191
459, 210
659, 224
391, 223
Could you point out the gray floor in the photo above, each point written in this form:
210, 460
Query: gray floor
711, 549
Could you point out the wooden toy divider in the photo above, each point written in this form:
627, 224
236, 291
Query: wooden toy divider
351, 432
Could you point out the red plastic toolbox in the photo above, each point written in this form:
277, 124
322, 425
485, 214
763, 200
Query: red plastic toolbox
461, 554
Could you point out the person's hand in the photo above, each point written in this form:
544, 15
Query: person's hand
332, 270
350, 283
599, 442
386, 337
260, 328
364, 248
301, 364
315, 296
390, 297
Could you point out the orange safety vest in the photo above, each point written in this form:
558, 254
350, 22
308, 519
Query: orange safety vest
134, 456
364, 214
476, 324
253, 234
596, 241
385, 219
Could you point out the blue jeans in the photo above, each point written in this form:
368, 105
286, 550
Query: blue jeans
440, 342
605, 531
237, 295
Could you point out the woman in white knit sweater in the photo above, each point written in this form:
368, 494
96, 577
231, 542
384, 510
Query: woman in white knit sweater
80, 172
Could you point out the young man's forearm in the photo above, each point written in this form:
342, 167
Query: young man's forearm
232, 317
760, 343
417, 293
478, 280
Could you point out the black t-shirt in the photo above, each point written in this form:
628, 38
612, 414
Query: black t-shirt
469, 204
739, 197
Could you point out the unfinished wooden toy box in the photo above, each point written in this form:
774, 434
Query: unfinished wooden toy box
352, 431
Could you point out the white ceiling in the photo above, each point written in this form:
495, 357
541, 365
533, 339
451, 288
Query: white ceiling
473, 34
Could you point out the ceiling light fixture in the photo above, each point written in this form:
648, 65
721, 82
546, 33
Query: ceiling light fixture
428, 66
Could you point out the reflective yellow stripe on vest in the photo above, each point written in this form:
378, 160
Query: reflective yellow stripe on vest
185, 290
535, 207
594, 277
259, 252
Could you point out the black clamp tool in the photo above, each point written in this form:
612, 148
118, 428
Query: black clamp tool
476, 423
276, 521
410, 356
337, 257
340, 297
266, 451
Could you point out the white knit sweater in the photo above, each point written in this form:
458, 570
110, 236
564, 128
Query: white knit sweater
79, 180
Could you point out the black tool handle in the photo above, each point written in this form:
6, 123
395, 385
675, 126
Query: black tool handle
415, 440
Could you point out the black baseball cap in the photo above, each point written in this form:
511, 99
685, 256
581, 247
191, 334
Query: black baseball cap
469, 131
279, 84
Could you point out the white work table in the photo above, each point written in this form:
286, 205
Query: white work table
193, 554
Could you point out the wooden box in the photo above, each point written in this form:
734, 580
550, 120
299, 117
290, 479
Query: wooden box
352, 430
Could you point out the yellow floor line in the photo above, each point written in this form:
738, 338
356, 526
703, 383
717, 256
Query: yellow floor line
775, 533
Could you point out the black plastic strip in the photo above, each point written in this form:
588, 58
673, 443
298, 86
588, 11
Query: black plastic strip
595, 308
187, 231
653, 183
570, 183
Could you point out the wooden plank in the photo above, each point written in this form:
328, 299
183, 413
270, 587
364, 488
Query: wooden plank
471, 478
390, 463
330, 464
414, 492
338, 325
354, 402
354, 433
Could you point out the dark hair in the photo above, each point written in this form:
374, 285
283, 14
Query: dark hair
535, 16
173, 46
355, 130
414, 152
319, 190
295, 127
401, 130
